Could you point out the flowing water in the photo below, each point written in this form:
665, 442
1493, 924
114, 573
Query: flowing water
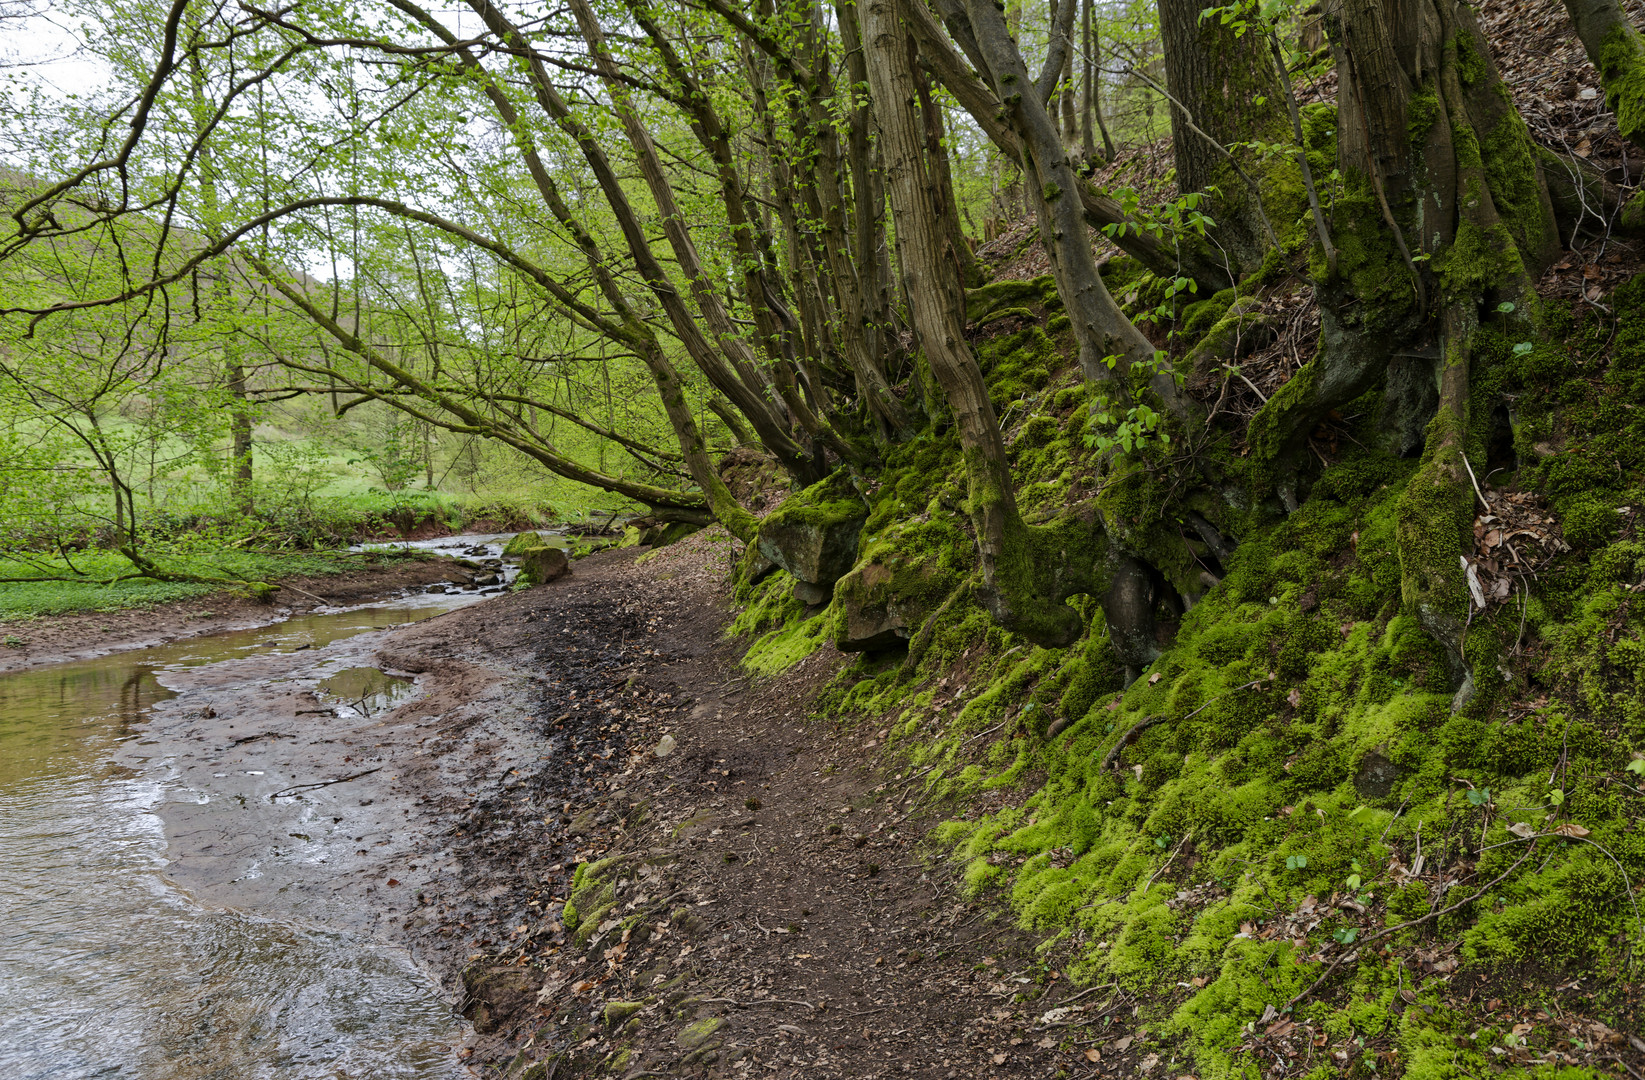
109, 969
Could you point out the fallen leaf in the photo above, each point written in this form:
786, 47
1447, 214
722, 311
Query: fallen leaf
1294, 698
1571, 829
1092, 1055
998, 1059
1522, 830
1122, 1045
1154, 678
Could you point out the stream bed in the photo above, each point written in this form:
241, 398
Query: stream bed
119, 957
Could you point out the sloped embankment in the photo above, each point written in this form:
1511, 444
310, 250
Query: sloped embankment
1281, 836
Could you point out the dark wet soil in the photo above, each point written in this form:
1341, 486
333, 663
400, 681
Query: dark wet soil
773, 914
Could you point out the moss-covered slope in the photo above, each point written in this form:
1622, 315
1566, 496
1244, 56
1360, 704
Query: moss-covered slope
1280, 839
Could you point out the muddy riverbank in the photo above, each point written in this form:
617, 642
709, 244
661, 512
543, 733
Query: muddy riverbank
758, 897
56, 639
754, 901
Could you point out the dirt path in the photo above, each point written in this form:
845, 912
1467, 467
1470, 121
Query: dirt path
757, 903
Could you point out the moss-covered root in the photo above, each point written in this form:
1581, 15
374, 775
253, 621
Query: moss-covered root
1033, 570
1435, 526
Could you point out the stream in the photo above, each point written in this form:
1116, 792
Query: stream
114, 961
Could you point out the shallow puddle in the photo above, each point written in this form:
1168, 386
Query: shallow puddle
108, 969
367, 690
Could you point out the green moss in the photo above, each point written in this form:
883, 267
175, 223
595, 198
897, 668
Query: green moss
999, 295
1622, 72
1305, 671
523, 542
830, 501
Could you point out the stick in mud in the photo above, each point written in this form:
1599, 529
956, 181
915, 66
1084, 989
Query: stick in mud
287, 792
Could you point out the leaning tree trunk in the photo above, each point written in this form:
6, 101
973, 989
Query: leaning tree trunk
987, 110
1449, 217
1022, 586
1618, 51
1109, 344
1225, 91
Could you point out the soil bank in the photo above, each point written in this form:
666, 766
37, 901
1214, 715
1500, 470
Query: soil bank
53, 639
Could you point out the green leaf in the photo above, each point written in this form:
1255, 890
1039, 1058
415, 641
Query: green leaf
1557, 797
1637, 765
1522, 348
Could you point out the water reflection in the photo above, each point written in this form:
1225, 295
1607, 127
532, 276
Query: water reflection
108, 970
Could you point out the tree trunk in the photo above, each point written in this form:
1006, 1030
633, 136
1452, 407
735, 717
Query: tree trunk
240, 430
1088, 145
942, 180
1070, 119
1109, 345
1449, 216
778, 330
1225, 86
725, 378
986, 109
1012, 580
1618, 52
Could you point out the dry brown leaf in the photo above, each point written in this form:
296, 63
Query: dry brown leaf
1571, 829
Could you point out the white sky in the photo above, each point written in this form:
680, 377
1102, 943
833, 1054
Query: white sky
42, 49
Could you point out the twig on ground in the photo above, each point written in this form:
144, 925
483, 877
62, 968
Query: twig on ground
284, 792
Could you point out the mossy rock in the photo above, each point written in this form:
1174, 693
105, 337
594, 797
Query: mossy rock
666, 533
521, 543
813, 535
982, 303
695, 1036
616, 1012
1240, 332
885, 600
540, 565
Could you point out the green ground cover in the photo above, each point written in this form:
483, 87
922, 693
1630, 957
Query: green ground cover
1287, 787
